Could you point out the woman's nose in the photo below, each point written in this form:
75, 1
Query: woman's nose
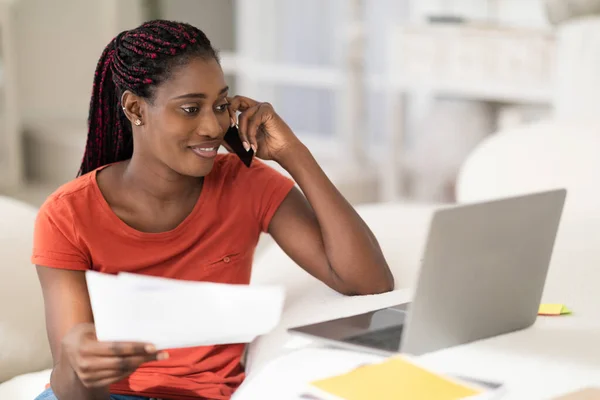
209, 126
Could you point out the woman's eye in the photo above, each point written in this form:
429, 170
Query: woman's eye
222, 107
190, 110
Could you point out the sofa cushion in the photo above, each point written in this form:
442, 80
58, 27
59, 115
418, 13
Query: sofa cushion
23, 342
25, 387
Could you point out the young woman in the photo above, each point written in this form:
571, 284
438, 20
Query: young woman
154, 197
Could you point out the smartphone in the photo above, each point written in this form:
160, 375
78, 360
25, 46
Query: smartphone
232, 138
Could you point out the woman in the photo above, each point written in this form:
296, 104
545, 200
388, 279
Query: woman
154, 197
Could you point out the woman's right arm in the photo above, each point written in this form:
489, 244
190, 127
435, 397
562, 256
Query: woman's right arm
67, 305
83, 367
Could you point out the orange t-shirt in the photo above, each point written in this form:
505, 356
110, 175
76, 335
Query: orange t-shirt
76, 229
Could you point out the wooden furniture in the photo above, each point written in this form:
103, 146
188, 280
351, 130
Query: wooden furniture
469, 61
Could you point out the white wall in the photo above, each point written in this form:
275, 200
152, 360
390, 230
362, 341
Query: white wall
58, 45
214, 18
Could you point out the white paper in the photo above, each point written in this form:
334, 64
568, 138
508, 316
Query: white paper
173, 313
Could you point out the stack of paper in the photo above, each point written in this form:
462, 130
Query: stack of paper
173, 313
396, 378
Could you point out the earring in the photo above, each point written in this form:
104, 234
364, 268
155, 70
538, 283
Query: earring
137, 122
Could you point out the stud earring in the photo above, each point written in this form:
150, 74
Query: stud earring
137, 122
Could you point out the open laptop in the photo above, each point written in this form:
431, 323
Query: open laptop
483, 272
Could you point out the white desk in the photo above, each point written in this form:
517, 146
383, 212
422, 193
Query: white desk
555, 356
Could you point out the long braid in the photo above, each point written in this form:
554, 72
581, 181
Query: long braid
137, 60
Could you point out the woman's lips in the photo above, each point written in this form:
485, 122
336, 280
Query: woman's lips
205, 152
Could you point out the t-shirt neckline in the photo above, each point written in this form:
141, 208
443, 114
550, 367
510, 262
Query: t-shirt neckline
118, 222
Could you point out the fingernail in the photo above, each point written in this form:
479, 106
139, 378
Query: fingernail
162, 356
246, 145
253, 148
150, 348
232, 122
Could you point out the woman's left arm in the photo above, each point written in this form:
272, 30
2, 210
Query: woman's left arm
321, 232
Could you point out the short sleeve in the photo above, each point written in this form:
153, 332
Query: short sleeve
268, 189
55, 240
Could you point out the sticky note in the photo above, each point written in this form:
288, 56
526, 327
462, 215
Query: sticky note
395, 378
553, 309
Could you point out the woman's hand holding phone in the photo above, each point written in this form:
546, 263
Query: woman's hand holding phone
261, 129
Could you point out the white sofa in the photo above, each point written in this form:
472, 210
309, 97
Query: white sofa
23, 343
542, 156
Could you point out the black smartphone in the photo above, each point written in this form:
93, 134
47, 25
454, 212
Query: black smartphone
232, 138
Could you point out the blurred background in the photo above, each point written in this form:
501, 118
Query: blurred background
390, 95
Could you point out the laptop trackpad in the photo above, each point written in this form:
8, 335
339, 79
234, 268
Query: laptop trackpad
382, 330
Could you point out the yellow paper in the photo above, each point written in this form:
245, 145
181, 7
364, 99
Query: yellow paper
553, 309
393, 379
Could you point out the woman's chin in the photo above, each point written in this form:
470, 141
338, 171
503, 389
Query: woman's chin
198, 168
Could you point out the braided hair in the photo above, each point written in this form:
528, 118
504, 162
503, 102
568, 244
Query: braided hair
137, 60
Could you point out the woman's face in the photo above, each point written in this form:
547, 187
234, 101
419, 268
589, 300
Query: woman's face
185, 124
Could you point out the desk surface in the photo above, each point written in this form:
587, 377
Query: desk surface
555, 356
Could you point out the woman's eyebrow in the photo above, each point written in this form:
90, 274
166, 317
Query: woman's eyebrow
199, 95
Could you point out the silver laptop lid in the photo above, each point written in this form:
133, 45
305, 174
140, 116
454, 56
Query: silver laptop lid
483, 272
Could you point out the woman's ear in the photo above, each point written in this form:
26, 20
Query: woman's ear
132, 106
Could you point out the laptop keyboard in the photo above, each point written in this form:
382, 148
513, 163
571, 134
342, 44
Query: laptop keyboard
384, 339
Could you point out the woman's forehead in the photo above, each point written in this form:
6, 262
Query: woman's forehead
202, 76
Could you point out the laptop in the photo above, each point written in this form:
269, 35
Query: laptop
483, 272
